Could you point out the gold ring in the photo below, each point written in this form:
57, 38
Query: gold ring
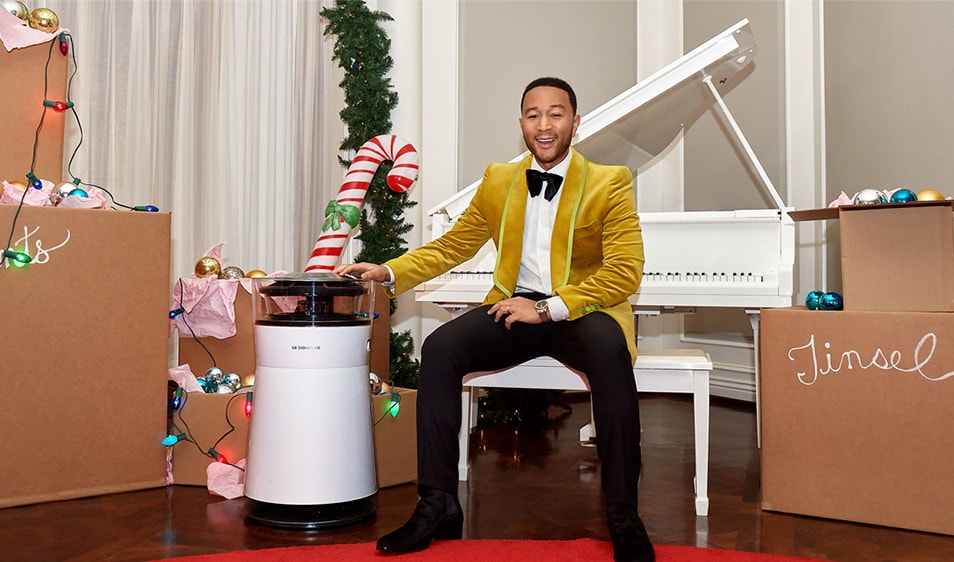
508, 310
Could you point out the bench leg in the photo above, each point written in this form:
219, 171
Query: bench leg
468, 409
700, 402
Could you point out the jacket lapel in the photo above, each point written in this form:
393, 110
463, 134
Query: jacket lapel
510, 239
561, 242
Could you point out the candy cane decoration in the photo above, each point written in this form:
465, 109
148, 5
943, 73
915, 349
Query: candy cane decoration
346, 207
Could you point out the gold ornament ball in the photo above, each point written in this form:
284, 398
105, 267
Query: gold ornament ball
248, 380
207, 266
930, 195
17, 8
17, 184
256, 273
232, 272
45, 20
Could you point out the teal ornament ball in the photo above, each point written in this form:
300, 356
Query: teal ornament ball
904, 196
869, 197
831, 301
813, 300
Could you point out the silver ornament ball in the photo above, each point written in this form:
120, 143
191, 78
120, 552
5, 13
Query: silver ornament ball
869, 197
61, 192
214, 374
16, 8
233, 381
232, 272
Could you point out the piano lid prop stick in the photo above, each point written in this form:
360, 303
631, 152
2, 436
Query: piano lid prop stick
343, 213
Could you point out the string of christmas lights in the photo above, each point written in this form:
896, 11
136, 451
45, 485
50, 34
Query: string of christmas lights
180, 311
72, 188
184, 434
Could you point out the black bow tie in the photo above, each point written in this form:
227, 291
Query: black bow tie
535, 181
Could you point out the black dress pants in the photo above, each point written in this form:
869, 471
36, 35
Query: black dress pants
593, 344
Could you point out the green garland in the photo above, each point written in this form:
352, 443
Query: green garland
362, 50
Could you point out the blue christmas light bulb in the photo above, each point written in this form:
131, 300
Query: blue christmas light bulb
171, 440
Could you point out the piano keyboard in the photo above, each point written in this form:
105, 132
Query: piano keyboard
738, 289
717, 277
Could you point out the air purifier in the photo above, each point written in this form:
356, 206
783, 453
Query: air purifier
310, 450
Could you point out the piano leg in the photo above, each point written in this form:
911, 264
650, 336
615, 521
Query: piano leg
755, 317
588, 431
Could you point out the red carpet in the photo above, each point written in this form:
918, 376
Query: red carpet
488, 550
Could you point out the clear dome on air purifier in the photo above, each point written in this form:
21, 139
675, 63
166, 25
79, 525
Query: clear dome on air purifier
312, 299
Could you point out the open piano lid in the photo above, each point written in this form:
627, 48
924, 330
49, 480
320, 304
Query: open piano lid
640, 123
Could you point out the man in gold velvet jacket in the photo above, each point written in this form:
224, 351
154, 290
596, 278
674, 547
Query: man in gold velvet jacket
569, 254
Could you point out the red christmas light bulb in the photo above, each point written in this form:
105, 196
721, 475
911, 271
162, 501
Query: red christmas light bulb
248, 403
219, 457
58, 105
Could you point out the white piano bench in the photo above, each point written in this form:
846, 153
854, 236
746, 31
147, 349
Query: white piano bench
678, 371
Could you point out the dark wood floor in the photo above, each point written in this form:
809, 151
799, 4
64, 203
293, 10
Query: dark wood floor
533, 483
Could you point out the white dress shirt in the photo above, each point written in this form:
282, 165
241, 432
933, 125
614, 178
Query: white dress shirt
534, 274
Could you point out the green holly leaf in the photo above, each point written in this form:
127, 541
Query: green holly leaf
332, 216
351, 214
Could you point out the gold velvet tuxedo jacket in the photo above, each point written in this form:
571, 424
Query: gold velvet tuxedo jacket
596, 255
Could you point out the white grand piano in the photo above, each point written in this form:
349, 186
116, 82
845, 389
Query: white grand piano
690, 261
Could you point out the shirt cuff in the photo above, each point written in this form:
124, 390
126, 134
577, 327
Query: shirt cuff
558, 309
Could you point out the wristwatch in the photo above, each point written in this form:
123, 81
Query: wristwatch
543, 309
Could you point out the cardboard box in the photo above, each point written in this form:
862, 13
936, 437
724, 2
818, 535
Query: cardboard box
207, 421
395, 438
856, 416
895, 257
233, 355
237, 353
85, 353
23, 107
381, 334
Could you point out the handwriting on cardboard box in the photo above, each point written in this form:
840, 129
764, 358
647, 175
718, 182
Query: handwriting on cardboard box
824, 362
40, 254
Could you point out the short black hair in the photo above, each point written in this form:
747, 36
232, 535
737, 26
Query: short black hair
554, 83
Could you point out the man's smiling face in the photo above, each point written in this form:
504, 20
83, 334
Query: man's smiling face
548, 124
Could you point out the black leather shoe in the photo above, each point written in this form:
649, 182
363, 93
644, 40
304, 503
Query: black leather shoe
630, 540
438, 515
